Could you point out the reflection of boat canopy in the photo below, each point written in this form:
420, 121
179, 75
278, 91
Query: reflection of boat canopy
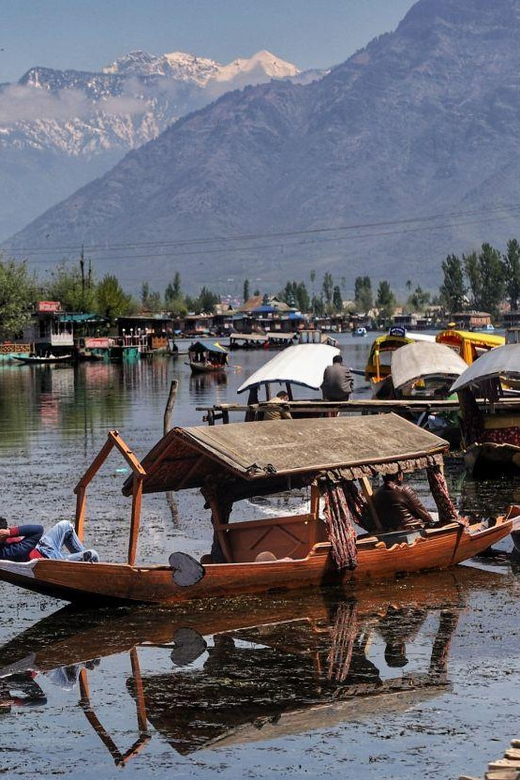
469, 345
301, 365
432, 363
303, 663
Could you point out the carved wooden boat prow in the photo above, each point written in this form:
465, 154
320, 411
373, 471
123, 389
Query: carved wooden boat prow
237, 461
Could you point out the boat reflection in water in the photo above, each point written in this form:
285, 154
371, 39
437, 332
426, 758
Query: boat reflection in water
254, 669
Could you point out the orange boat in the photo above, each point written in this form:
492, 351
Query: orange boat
328, 457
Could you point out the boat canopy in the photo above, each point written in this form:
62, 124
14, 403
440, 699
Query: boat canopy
470, 345
302, 364
502, 362
208, 346
256, 457
425, 360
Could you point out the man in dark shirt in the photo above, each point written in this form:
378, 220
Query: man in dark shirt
398, 507
337, 381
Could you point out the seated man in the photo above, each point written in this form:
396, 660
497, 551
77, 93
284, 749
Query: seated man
27, 542
276, 409
337, 381
398, 506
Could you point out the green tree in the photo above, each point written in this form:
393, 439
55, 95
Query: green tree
385, 300
453, 288
337, 299
245, 294
173, 291
363, 293
151, 301
75, 290
512, 272
18, 293
418, 299
472, 270
491, 269
318, 307
328, 288
205, 303
303, 298
112, 301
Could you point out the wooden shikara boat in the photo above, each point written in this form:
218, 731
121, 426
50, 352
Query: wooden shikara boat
378, 366
44, 360
265, 666
490, 404
242, 460
301, 365
207, 357
468, 344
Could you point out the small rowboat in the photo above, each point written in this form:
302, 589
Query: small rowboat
44, 359
233, 462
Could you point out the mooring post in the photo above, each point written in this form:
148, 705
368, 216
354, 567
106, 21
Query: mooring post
167, 423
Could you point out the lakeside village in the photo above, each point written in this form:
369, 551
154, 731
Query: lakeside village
76, 317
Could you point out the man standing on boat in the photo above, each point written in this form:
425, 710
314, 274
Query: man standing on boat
337, 381
277, 409
27, 542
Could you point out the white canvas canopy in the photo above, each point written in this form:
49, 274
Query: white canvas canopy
425, 360
499, 362
302, 364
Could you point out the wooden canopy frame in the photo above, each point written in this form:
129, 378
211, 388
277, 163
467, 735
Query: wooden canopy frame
138, 474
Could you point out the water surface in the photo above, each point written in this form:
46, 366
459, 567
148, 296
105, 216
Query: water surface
412, 679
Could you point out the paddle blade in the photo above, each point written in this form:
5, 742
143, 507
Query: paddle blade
186, 570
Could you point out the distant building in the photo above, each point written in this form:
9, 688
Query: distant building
469, 320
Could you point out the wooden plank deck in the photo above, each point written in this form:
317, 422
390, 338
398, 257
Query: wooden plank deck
507, 768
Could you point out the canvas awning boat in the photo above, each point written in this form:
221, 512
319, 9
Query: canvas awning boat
469, 345
301, 365
310, 548
490, 407
427, 362
499, 363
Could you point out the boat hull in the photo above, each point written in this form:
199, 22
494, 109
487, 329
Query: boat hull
108, 583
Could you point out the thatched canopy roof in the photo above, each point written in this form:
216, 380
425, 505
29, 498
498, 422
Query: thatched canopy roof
269, 455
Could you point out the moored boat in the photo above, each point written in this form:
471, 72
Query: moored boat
378, 366
469, 344
47, 359
490, 410
310, 548
302, 365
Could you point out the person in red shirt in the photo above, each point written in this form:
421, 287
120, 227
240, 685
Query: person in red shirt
26, 542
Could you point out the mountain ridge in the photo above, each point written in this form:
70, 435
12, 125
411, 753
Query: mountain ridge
422, 121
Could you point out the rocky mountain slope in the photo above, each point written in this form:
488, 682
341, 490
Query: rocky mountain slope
414, 139
61, 129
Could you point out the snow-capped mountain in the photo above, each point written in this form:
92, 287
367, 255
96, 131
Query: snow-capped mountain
61, 128
423, 121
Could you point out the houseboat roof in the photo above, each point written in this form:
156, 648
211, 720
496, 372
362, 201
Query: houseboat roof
256, 456
497, 363
302, 364
419, 361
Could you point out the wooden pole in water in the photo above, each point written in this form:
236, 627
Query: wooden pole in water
167, 421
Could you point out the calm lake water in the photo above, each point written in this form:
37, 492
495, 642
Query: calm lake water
412, 679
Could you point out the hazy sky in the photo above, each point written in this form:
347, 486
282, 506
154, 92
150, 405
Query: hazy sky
87, 34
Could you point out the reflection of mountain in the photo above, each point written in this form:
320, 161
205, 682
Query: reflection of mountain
258, 668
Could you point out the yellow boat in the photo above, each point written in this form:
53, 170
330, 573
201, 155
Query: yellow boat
379, 362
470, 345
